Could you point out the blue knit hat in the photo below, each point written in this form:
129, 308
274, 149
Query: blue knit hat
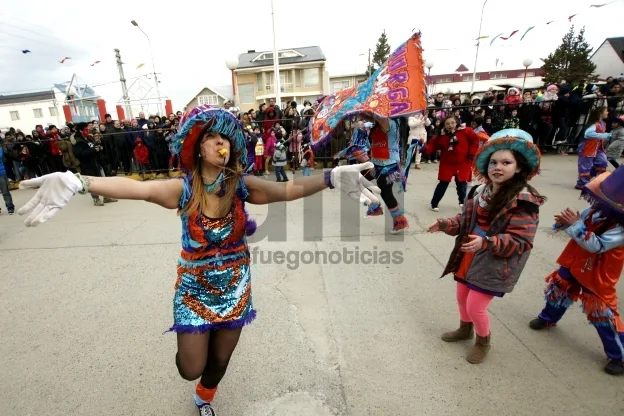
508, 139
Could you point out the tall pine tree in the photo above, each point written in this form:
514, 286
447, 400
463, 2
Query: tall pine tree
570, 61
382, 51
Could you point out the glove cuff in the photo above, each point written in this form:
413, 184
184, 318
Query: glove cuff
85, 185
328, 181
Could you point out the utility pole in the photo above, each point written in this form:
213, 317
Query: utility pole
122, 78
369, 70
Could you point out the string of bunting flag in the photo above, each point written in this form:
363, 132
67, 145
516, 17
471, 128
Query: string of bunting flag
530, 28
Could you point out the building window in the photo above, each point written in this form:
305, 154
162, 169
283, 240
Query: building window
286, 84
208, 99
53, 111
498, 76
246, 93
469, 78
339, 85
14, 115
259, 81
311, 77
38, 113
444, 80
268, 80
529, 74
298, 77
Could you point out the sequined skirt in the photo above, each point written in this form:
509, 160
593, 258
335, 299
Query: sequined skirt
214, 293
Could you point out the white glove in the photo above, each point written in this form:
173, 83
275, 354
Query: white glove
55, 191
349, 180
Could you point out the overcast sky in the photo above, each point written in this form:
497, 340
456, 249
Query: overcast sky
191, 40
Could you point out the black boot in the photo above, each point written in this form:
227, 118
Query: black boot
539, 323
615, 368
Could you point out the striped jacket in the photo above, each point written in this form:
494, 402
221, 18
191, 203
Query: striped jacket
497, 266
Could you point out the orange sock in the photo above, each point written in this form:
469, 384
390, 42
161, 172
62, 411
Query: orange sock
207, 395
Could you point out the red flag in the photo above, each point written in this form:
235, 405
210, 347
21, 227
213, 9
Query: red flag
570, 18
512, 33
96, 62
64, 59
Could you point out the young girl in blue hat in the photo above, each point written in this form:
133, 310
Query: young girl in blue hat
494, 233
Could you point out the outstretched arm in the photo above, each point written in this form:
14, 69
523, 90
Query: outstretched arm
164, 193
57, 189
263, 192
348, 179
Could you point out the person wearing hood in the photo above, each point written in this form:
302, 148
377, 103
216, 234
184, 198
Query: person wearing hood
616, 145
87, 154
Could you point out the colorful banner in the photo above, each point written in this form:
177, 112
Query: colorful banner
396, 89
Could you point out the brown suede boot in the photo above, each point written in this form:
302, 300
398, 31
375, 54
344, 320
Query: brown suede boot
464, 332
480, 350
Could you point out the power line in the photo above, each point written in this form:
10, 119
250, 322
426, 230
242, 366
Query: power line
30, 39
33, 31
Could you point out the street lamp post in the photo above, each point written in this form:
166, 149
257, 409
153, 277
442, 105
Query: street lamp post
429, 65
276, 72
526, 63
134, 23
232, 64
474, 70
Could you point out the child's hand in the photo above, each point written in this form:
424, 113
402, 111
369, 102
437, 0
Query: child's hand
439, 225
567, 217
475, 244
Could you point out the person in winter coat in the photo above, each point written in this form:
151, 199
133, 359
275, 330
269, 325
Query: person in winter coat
279, 161
66, 145
457, 150
616, 146
87, 154
4, 185
269, 149
494, 233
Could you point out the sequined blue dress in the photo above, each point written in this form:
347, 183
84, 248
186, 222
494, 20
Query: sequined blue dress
213, 288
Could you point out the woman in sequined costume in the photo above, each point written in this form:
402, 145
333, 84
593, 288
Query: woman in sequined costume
212, 300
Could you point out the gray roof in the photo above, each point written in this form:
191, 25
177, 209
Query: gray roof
618, 45
224, 91
27, 97
310, 54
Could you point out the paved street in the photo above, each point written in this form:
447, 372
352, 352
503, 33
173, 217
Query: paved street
87, 297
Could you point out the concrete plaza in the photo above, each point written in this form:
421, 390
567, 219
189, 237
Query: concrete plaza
87, 296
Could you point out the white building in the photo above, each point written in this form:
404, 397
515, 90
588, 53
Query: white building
609, 58
25, 111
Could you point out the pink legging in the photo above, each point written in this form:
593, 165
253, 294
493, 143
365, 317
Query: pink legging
473, 308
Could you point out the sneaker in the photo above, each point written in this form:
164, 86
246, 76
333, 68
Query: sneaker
539, 323
206, 410
436, 209
461, 206
615, 368
400, 224
435, 161
98, 203
107, 200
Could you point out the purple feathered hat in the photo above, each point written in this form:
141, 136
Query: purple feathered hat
606, 192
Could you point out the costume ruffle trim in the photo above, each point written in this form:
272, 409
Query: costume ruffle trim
561, 294
201, 329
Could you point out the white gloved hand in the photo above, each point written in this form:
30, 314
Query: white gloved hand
55, 191
349, 180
